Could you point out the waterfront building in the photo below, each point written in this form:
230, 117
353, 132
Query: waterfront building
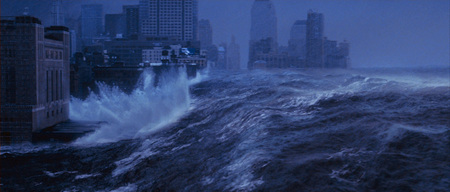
263, 46
204, 33
91, 22
34, 77
315, 40
130, 51
233, 55
152, 55
155, 54
336, 55
169, 18
221, 56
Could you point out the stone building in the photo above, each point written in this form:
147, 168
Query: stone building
34, 77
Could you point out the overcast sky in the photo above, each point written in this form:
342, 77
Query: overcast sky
396, 33
382, 33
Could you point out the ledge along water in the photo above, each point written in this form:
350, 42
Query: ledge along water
67, 131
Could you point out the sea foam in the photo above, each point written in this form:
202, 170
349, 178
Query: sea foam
146, 110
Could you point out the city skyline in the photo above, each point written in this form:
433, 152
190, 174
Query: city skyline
381, 33
224, 95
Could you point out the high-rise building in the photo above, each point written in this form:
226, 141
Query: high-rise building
91, 22
114, 24
57, 14
205, 33
131, 13
263, 21
297, 40
263, 31
315, 40
233, 55
176, 19
34, 77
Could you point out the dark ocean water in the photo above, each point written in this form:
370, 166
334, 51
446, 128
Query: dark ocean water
284, 130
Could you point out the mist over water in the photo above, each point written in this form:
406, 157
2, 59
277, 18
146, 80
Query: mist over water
278, 130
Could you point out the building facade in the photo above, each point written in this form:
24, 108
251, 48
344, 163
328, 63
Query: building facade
131, 13
263, 30
297, 40
91, 22
336, 55
263, 21
34, 77
233, 55
205, 33
130, 51
57, 13
115, 25
169, 18
315, 55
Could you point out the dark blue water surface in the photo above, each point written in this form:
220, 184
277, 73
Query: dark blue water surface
283, 130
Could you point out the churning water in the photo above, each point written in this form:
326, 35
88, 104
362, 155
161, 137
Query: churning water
283, 130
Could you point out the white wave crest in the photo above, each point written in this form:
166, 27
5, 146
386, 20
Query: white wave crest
146, 110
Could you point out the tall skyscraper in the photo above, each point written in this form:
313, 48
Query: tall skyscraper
233, 55
57, 14
91, 22
297, 40
315, 40
204, 33
131, 13
263, 21
263, 31
177, 19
